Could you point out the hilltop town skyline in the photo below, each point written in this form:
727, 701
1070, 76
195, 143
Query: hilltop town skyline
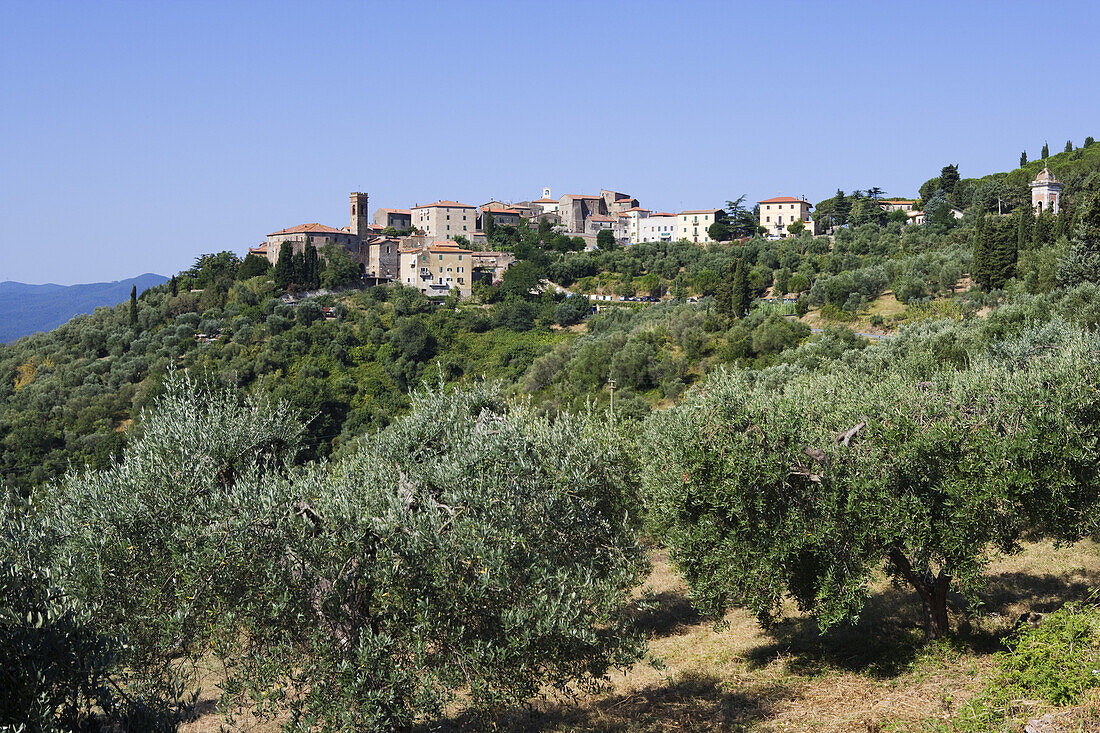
139, 136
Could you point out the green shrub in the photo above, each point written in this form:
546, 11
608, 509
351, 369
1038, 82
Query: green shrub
1054, 663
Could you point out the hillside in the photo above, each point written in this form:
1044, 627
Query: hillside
317, 482
27, 309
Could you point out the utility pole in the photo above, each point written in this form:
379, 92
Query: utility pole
611, 383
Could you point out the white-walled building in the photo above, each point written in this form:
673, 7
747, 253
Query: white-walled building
658, 226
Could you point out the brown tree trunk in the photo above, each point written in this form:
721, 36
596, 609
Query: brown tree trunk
932, 591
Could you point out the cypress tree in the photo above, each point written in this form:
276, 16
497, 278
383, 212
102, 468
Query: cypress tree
949, 176
1023, 159
133, 304
742, 298
1040, 235
1069, 146
1046, 151
284, 266
298, 269
1023, 232
313, 267
173, 288
1059, 226
1004, 258
980, 261
723, 293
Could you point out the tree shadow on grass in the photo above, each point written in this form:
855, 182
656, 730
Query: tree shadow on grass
692, 703
662, 614
882, 642
888, 636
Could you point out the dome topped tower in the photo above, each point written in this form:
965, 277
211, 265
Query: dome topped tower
1045, 192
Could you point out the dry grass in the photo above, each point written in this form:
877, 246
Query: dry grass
875, 675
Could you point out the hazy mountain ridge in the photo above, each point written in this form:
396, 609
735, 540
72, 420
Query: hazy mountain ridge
27, 309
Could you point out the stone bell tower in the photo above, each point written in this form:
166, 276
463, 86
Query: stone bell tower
360, 224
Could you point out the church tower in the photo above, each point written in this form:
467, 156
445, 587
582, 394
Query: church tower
1045, 192
360, 224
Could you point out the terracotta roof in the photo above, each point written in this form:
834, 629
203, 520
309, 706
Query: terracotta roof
600, 217
499, 210
446, 204
784, 200
915, 213
637, 208
661, 213
261, 250
700, 211
397, 211
545, 201
313, 228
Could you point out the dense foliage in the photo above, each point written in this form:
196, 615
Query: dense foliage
472, 552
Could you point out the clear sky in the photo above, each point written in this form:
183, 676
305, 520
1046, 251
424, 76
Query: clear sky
135, 136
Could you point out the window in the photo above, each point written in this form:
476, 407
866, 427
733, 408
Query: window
441, 257
768, 219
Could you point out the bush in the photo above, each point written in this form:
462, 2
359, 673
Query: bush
1055, 662
572, 310
472, 554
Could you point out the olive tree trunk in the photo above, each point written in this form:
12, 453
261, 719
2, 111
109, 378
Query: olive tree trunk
932, 590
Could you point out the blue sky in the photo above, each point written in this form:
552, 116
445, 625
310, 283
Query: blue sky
136, 135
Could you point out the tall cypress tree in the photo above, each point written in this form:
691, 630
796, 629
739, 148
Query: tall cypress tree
284, 266
1023, 232
742, 298
133, 304
1046, 151
1003, 247
1069, 146
173, 288
981, 270
1023, 159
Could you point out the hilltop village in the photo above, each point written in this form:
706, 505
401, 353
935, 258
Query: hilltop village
441, 247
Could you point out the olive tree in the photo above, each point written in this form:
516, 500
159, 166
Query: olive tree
472, 554
807, 487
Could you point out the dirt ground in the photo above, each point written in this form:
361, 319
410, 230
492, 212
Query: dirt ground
876, 675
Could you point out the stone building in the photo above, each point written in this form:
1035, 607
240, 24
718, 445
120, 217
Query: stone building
503, 215
314, 234
1046, 192
777, 213
399, 219
380, 258
575, 209
360, 223
445, 219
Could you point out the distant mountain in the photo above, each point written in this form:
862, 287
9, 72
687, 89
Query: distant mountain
27, 309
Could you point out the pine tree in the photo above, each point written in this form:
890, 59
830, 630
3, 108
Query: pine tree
949, 176
1088, 141
1046, 151
133, 305
1082, 264
841, 209
1023, 159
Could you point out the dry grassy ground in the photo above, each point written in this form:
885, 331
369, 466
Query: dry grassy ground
877, 675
